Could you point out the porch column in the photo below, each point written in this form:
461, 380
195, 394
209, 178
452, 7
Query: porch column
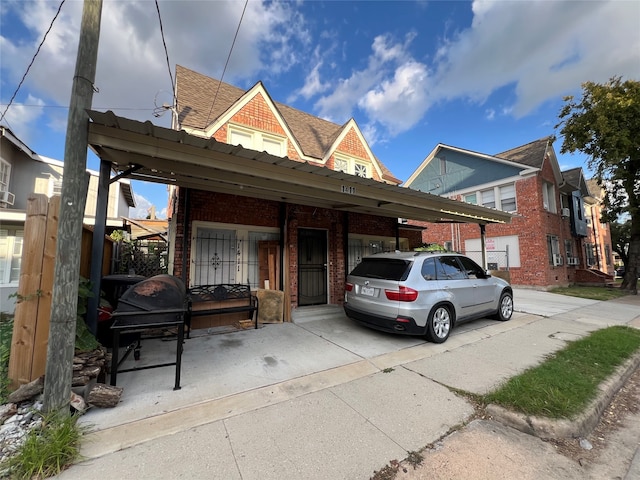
483, 246
97, 245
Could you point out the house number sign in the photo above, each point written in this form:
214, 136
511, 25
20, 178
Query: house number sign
348, 189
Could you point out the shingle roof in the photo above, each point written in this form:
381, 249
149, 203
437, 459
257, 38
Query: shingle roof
531, 154
196, 109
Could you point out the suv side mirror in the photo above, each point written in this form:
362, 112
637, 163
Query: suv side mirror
487, 273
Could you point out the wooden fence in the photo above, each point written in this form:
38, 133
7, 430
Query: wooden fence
28, 355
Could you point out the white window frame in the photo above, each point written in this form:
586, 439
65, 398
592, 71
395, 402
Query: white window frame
5, 175
492, 197
10, 240
260, 141
549, 197
370, 244
340, 161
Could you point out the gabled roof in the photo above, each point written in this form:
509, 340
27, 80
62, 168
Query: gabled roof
534, 155
442, 147
201, 100
574, 180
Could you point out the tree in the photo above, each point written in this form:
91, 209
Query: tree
620, 236
604, 124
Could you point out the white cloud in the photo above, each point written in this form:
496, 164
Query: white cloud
143, 208
545, 49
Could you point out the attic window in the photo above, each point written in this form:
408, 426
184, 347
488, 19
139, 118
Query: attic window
255, 140
359, 168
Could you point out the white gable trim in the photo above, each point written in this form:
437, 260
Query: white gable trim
257, 89
343, 133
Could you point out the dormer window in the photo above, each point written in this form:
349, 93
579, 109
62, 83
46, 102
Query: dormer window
352, 166
256, 140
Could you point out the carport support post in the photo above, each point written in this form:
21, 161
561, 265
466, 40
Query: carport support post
64, 304
97, 246
483, 245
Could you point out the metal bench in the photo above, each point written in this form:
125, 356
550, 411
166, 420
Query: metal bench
221, 298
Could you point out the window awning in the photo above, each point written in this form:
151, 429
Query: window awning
146, 152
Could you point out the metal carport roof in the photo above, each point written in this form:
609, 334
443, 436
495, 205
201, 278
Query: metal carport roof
144, 151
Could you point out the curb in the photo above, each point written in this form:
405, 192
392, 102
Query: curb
583, 424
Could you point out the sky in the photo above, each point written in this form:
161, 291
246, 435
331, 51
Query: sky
485, 76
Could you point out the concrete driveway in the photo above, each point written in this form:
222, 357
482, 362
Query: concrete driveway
319, 398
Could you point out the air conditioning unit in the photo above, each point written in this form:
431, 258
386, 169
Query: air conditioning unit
7, 198
557, 259
573, 261
565, 212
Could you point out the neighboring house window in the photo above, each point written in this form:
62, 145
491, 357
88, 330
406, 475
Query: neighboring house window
343, 163
607, 254
568, 248
55, 186
589, 250
5, 173
553, 247
488, 198
10, 255
503, 198
549, 197
508, 198
255, 140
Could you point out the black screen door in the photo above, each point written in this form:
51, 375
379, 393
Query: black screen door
312, 267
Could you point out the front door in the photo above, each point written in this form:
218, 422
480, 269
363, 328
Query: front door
312, 267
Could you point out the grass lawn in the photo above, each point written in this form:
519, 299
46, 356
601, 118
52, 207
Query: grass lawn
594, 293
568, 380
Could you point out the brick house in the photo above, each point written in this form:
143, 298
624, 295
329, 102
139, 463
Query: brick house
266, 194
546, 244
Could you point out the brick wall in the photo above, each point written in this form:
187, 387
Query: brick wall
531, 224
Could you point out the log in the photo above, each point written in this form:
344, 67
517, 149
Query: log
27, 391
104, 396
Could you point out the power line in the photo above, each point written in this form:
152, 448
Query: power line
166, 54
32, 60
227, 62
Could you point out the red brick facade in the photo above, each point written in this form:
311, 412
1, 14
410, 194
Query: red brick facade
532, 224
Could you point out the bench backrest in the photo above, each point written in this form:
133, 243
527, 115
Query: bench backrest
220, 292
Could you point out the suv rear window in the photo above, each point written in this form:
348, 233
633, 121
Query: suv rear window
384, 268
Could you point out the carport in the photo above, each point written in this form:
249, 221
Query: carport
146, 152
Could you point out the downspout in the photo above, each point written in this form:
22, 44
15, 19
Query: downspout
283, 230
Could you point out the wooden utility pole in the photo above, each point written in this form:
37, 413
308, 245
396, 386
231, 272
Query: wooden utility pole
62, 328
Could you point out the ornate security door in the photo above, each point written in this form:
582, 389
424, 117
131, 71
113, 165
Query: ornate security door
312, 267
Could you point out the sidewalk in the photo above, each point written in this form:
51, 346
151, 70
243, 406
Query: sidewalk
323, 398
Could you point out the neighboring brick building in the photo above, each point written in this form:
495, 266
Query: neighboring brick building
546, 244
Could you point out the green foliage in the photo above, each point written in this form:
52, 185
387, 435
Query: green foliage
48, 450
567, 381
6, 333
604, 124
117, 235
593, 293
430, 247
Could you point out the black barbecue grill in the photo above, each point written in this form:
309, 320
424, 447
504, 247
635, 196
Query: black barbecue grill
158, 302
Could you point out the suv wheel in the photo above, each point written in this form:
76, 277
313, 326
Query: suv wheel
439, 324
505, 307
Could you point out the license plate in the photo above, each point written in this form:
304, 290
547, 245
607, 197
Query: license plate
369, 291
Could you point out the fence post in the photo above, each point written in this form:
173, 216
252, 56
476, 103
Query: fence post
31, 319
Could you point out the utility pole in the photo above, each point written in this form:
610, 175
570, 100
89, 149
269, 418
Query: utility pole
62, 329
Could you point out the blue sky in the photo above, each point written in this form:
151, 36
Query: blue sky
485, 76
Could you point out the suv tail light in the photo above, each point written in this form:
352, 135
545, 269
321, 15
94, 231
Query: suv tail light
348, 287
403, 294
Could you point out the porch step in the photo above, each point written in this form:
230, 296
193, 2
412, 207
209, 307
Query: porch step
316, 312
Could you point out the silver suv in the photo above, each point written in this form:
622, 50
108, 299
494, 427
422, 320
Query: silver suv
423, 293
